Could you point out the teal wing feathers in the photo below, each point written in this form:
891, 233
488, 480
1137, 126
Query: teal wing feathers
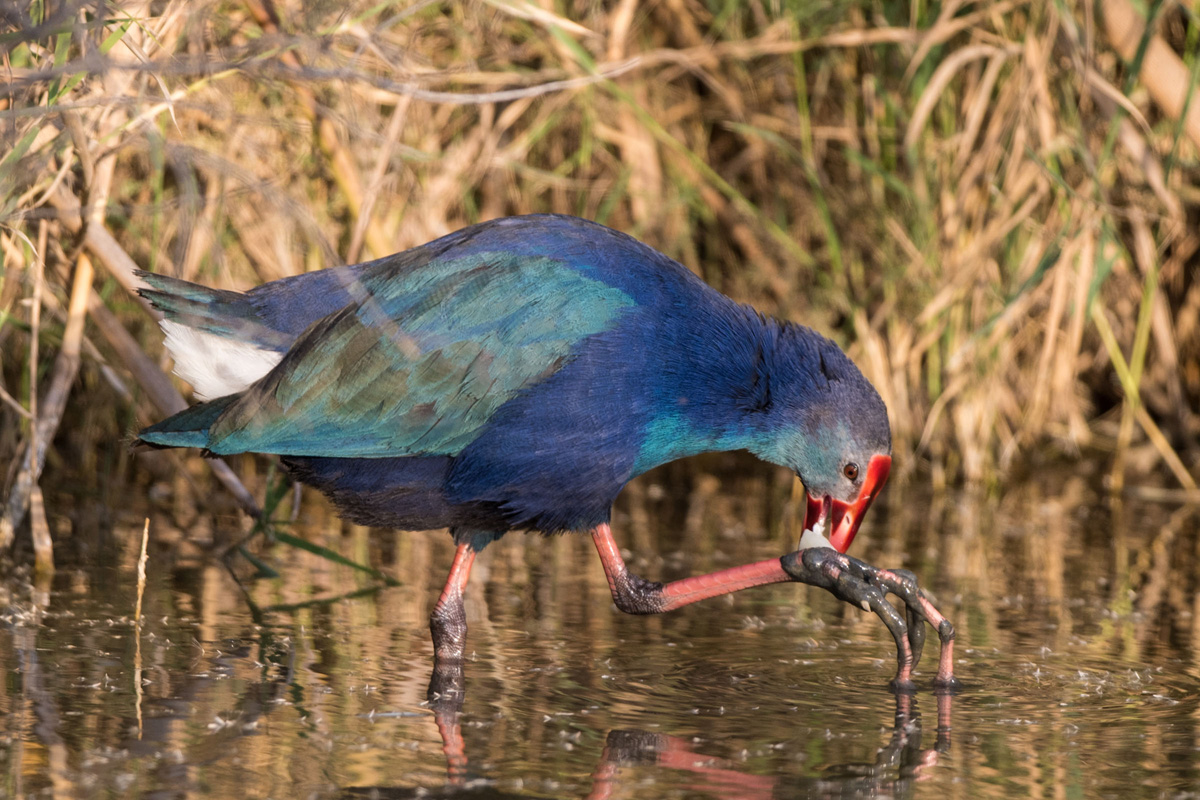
421, 360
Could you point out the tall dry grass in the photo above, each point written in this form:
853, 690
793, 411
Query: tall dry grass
994, 205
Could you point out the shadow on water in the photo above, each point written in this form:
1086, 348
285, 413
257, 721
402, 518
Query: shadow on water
1078, 621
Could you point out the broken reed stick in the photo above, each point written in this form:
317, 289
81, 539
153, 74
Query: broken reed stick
141, 575
39, 531
1157, 494
137, 625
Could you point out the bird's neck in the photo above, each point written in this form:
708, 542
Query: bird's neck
721, 385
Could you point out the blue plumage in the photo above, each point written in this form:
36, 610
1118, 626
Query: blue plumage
517, 374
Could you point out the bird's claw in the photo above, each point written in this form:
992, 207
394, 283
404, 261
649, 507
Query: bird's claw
866, 586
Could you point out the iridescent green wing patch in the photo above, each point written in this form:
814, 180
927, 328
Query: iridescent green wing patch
422, 360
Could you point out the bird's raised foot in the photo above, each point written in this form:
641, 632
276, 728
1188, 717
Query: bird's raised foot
866, 586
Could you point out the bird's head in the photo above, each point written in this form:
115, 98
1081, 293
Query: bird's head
832, 430
843, 455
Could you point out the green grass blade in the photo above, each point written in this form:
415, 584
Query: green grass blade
330, 555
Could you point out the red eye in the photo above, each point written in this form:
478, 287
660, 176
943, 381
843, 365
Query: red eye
851, 471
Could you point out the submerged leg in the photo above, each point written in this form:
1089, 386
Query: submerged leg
448, 622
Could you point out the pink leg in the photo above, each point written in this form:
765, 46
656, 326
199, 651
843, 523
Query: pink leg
847, 578
633, 595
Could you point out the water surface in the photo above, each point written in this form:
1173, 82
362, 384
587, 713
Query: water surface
1077, 645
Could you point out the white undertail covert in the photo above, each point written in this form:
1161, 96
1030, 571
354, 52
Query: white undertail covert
213, 365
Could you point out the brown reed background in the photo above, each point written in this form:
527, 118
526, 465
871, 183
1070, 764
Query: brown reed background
994, 206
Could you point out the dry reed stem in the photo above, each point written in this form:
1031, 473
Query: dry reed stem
391, 137
524, 9
945, 72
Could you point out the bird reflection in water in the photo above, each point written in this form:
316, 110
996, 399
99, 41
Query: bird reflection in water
897, 765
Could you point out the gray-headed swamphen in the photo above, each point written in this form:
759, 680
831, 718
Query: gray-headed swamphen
516, 375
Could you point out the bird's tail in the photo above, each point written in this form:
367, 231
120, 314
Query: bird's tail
228, 315
217, 338
188, 428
